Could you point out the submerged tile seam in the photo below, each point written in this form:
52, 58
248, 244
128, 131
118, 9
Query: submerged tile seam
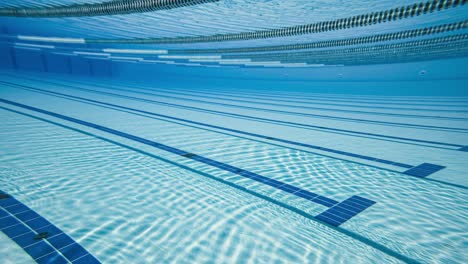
113, 142
423, 170
274, 104
139, 91
217, 131
36, 235
253, 117
340, 97
228, 129
314, 99
268, 97
342, 212
267, 120
300, 212
291, 112
410, 171
226, 167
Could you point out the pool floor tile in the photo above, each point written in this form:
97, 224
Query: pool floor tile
73, 251
43, 241
52, 258
39, 249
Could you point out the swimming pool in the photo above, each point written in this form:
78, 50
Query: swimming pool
318, 132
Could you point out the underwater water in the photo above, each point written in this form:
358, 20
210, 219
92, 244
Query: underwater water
233, 131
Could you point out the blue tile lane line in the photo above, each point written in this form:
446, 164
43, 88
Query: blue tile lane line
321, 97
465, 148
302, 213
345, 210
229, 97
260, 119
244, 173
43, 241
459, 129
424, 170
398, 164
164, 94
279, 98
373, 159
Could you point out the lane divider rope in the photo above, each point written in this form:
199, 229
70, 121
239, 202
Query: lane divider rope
108, 8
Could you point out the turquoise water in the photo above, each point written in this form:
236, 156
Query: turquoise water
196, 152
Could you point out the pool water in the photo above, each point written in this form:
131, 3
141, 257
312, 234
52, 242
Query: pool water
186, 150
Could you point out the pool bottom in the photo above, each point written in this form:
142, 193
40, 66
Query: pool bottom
193, 219
326, 176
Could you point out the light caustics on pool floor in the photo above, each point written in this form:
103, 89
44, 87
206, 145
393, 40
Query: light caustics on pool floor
95, 170
110, 165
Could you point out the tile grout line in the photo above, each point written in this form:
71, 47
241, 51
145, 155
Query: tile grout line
34, 231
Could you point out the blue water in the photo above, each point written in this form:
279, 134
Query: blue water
157, 153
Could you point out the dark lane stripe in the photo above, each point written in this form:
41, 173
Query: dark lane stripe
318, 99
244, 173
164, 94
350, 102
43, 241
407, 166
345, 210
263, 97
338, 100
424, 170
464, 148
347, 119
427, 167
281, 105
259, 100
260, 119
322, 200
346, 232
107, 8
